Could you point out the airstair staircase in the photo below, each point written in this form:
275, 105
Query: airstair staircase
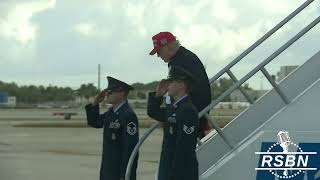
292, 105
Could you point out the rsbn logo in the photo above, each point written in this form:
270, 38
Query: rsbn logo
287, 160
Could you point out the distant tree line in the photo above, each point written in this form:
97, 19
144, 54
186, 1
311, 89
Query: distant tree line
217, 88
40, 94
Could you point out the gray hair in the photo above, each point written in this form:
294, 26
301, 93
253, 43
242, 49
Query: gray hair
175, 44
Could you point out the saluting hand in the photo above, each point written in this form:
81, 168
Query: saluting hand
162, 87
100, 97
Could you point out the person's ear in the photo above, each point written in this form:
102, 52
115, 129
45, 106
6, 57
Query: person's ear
170, 47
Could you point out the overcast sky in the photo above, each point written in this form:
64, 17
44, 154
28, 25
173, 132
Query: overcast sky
61, 42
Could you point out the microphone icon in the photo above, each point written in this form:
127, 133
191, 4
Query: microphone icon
284, 141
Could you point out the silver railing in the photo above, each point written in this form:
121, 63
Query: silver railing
238, 83
261, 67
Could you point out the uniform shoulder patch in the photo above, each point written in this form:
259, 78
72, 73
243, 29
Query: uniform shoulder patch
188, 130
132, 128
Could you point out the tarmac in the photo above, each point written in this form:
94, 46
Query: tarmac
60, 152
35, 145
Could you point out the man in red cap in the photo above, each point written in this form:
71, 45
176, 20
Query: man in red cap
168, 48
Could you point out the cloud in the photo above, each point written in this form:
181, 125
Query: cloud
85, 29
63, 42
18, 34
276, 7
136, 12
16, 25
222, 44
222, 11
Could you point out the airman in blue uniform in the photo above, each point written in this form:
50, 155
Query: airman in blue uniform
178, 159
120, 130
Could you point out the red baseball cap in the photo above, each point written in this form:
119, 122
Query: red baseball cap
161, 39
